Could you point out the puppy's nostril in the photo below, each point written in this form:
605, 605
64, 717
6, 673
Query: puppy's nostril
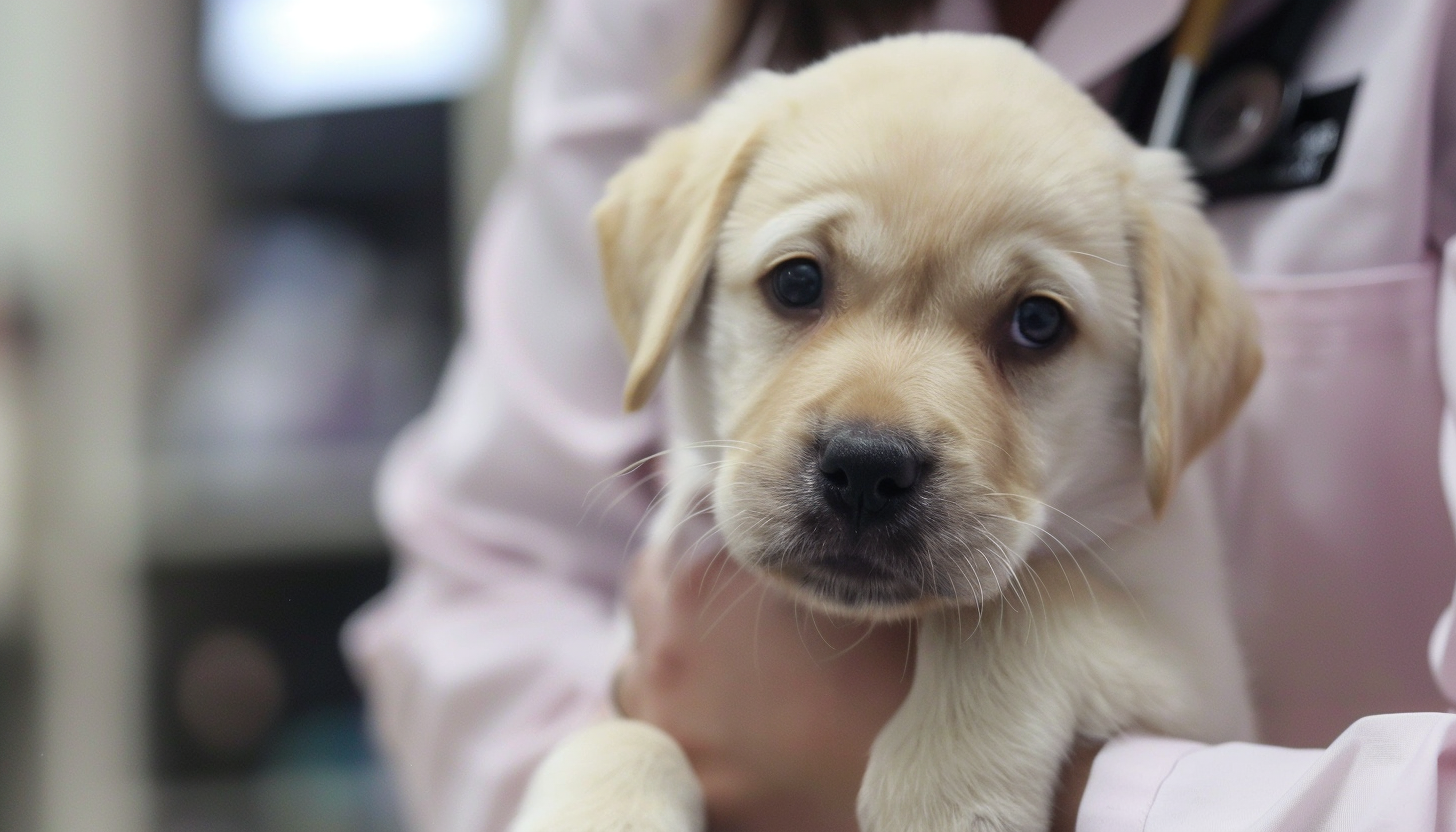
866, 471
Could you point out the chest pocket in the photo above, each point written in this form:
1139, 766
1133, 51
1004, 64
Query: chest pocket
1341, 550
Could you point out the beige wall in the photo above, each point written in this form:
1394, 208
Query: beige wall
101, 211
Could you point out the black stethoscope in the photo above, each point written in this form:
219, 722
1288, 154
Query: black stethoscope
1245, 122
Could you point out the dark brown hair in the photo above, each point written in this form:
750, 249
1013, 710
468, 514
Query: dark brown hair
806, 30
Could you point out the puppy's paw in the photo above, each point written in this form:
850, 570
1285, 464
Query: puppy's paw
617, 776
994, 807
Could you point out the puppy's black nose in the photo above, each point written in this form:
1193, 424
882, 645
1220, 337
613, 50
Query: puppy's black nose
868, 473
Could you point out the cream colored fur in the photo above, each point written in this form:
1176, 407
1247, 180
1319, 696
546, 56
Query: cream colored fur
1066, 588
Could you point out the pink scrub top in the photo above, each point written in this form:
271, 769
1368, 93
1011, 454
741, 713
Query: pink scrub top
496, 637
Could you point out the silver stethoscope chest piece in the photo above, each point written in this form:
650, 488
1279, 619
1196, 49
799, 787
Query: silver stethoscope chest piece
1234, 119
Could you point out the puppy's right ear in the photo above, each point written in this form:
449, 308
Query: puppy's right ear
657, 228
1200, 343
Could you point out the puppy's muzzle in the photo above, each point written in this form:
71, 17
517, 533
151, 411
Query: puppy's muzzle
868, 475
856, 528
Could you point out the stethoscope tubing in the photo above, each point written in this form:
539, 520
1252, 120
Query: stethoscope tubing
1191, 46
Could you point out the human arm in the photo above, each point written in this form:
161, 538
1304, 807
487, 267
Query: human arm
497, 636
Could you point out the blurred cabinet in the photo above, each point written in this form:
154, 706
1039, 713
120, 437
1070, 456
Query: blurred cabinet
322, 322
320, 318
255, 723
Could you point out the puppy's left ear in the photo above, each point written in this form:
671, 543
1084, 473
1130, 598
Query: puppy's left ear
657, 228
1200, 346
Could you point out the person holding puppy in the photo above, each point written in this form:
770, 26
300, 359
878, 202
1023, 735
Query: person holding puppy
497, 637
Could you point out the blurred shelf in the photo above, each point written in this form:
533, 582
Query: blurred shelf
316, 499
357, 799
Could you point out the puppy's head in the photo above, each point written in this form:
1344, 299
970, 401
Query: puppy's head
936, 302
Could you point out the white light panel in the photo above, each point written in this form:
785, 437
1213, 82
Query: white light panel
275, 58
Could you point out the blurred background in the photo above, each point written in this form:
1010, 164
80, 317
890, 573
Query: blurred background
230, 239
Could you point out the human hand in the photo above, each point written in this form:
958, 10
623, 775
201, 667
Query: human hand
1076, 771
775, 705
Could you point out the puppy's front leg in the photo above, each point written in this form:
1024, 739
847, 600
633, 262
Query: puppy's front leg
977, 745
618, 776
998, 700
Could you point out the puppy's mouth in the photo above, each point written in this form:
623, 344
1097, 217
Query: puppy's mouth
837, 559
853, 581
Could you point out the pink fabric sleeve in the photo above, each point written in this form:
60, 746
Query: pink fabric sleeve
1395, 772
496, 637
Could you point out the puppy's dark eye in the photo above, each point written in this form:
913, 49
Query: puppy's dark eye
797, 284
1038, 322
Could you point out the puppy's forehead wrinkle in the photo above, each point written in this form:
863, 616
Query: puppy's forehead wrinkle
795, 229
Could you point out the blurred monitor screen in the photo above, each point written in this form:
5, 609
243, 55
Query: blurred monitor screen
276, 58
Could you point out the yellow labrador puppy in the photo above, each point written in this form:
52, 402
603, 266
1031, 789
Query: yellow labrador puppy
939, 340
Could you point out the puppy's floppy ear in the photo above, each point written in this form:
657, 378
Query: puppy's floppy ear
1200, 347
657, 228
